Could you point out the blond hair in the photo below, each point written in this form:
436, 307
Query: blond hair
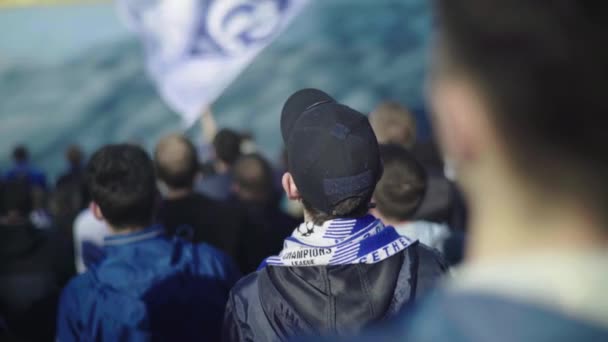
393, 124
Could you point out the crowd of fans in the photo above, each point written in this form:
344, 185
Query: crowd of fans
231, 207
358, 233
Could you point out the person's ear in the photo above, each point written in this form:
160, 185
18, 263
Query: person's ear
291, 190
96, 211
372, 209
458, 114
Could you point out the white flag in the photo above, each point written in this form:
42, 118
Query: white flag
196, 48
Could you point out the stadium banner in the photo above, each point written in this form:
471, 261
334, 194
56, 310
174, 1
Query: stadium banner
195, 48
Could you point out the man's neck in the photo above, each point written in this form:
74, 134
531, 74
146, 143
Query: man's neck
388, 221
504, 225
126, 230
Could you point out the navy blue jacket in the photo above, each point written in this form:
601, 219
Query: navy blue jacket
148, 288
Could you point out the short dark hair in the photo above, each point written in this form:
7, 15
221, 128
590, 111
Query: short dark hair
402, 186
20, 154
542, 69
253, 174
176, 161
352, 207
227, 144
122, 183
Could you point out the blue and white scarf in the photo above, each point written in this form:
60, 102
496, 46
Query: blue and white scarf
340, 242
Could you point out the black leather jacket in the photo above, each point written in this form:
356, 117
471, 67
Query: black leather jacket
277, 303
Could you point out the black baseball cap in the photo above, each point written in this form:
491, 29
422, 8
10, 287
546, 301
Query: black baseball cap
332, 150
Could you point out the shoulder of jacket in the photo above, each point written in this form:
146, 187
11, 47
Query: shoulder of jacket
428, 254
246, 287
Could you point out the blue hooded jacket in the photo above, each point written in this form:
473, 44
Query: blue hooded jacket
148, 288
479, 317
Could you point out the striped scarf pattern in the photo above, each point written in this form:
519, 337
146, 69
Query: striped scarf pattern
340, 242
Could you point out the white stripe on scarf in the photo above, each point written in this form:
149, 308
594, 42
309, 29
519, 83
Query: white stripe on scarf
340, 242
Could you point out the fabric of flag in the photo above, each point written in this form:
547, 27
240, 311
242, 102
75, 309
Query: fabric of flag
195, 48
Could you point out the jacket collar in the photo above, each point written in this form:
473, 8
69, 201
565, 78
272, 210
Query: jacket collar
130, 238
571, 282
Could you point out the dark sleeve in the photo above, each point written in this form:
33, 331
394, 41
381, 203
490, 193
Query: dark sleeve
431, 268
230, 328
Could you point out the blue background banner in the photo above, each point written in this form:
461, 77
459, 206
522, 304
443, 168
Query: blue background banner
74, 74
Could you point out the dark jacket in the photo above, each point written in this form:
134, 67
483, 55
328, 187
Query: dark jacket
277, 303
263, 235
212, 222
29, 282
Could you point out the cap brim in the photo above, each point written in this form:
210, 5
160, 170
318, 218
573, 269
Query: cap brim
298, 103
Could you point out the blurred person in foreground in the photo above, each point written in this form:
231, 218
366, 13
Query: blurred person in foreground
227, 147
518, 88
399, 193
30, 278
341, 269
260, 199
212, 222
148, 287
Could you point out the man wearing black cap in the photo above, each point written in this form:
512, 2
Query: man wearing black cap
341, 269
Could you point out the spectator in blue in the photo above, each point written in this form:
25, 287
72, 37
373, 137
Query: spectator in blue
149, 287
342, 269
519, 92
23, 170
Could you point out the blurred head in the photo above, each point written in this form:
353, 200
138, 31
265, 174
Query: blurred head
333, 158
227, 144
74, 156
176, 162
518, 88
393, 124
253, 179
20, 154
402, 186
122, 184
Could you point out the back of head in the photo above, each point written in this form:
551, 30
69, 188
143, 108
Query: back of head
393, 124
254, 179
402, 186
333, 155
20, 154
176, 161
540, 70
122, 183
227, 144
